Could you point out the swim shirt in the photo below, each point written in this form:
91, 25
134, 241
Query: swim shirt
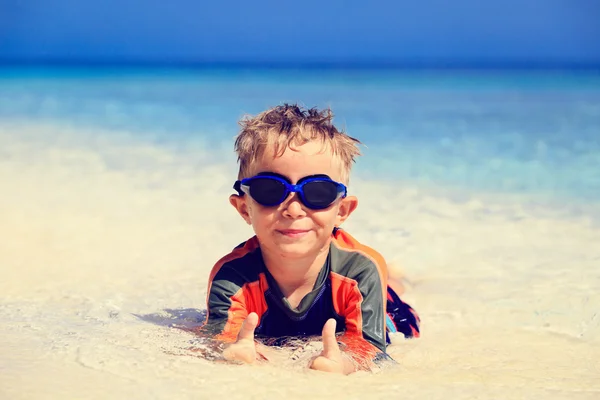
351, 288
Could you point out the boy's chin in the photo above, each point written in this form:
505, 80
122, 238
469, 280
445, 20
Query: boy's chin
294, 250
299, 250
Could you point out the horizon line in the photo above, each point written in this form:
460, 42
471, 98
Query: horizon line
439, 64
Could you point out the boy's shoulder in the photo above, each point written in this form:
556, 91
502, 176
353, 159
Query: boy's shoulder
351, 257
346, 242
244, 258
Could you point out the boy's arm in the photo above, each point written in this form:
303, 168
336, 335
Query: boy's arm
226, 305
364, 311
234, 312
363, 339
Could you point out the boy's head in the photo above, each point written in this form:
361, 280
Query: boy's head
299, 160
286, 127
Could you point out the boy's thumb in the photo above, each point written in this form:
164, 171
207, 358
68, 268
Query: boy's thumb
248, 327
330, 344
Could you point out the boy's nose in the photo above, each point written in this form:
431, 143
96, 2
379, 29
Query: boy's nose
293, 207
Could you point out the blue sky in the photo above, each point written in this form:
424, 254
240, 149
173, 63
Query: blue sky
325, 30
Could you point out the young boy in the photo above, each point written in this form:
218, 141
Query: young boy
301, 275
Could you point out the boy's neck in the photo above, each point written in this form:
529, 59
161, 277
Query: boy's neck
292, 274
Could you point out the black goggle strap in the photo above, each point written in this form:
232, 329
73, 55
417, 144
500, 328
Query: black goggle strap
237, 186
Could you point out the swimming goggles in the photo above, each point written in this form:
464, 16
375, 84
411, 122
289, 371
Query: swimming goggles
270, 189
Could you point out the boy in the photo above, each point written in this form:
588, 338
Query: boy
301, 275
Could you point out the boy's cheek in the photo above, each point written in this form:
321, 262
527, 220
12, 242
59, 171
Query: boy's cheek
257, 215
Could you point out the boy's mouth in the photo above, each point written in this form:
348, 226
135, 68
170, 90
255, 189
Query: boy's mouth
293, 233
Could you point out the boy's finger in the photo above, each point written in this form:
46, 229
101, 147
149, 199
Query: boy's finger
330, 344
248, 327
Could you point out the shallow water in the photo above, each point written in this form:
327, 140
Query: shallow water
511, 131
106, 242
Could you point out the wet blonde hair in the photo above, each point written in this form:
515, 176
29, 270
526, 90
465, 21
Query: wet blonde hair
290, 125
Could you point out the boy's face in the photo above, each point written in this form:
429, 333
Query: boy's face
292, 230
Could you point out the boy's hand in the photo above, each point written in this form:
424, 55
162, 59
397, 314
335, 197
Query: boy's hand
244, 349
331, 358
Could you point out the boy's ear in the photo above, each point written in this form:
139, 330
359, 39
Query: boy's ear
347, 207
239, 203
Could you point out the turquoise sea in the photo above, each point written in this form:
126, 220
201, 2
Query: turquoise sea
513, 131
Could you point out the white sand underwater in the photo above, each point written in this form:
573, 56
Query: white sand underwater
102, 234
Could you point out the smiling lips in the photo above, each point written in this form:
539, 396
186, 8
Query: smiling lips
293, 233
